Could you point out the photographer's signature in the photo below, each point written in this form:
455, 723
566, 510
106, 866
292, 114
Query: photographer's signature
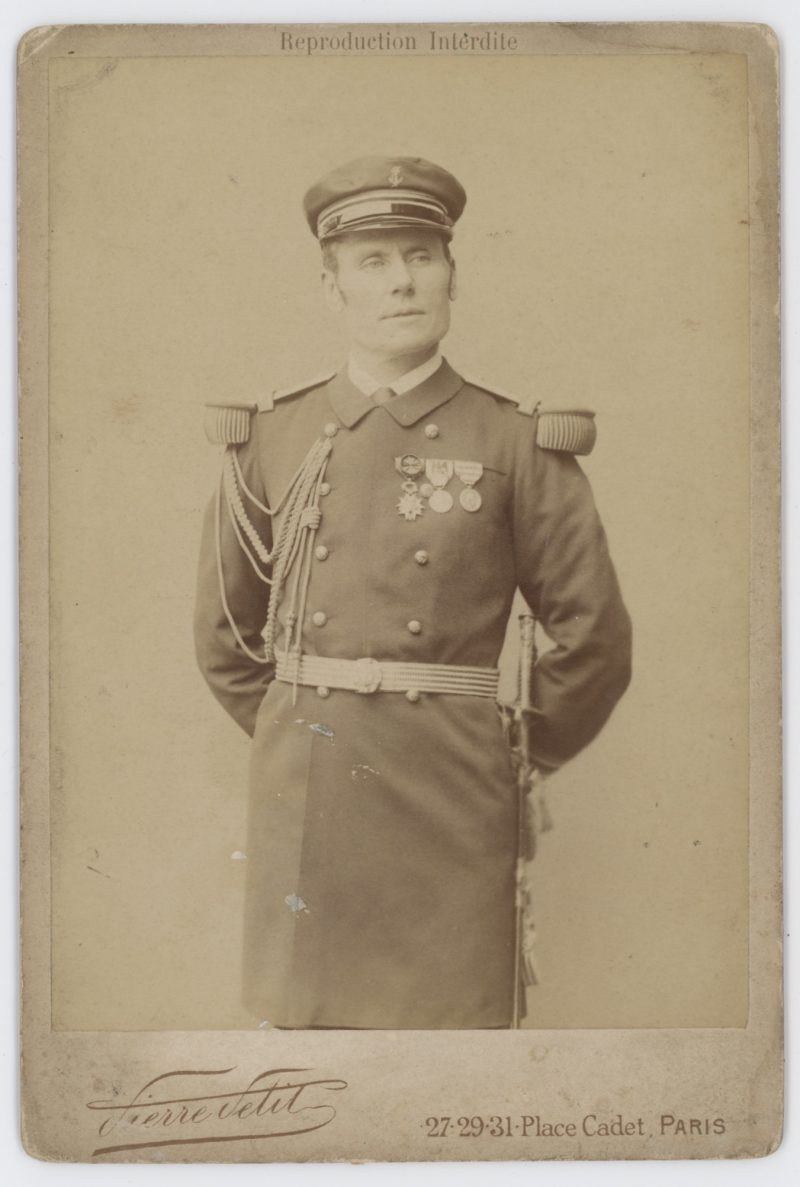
184, 1108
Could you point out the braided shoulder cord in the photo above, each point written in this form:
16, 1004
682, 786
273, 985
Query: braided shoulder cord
246, 489
245, 548
310, 521
259, 659
300, 513
249, 494
301, 516
238, 513
301, 519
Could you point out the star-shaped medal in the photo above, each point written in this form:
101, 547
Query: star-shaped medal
410, 506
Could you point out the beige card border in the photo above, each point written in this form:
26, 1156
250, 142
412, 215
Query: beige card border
384, 1085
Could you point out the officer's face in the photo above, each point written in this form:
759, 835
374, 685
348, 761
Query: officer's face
393, 290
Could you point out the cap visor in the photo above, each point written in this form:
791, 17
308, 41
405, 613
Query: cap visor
392, 223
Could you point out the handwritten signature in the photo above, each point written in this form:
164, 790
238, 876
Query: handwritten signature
276, 1103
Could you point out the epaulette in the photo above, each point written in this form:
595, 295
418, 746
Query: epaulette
567, 430
267, 403
228, 424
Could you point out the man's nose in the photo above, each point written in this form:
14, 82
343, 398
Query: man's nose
400, 275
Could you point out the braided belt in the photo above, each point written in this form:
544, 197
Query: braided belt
371, 675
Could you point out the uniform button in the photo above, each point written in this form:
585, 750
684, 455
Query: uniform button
421, 557
331, 429
415, 627
412, 695
321, 552
319, 618
325, 488
323, 692
431, 431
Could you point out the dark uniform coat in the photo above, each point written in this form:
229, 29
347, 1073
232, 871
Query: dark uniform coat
382, 831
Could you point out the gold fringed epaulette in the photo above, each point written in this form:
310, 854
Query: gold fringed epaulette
267, 403
228, 424
568, 430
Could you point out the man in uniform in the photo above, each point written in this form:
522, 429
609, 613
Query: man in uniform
357, 571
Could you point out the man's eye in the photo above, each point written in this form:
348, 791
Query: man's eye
420, 257
372, 262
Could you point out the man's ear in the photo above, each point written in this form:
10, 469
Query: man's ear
452, 288
333, 295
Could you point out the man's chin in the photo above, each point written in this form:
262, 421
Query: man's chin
408, 334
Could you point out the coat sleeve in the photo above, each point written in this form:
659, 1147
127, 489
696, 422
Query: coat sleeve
566, 576
238, 681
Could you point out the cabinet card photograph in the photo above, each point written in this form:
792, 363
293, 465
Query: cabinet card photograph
399, 413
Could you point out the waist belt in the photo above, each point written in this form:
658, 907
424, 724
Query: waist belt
371, 675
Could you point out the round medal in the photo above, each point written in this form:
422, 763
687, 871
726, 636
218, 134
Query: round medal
440, 500
411, 465
469, 499
426, 490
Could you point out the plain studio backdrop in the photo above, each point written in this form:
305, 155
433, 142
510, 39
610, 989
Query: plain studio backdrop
603, 263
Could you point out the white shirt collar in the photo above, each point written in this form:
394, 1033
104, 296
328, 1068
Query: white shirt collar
366, 384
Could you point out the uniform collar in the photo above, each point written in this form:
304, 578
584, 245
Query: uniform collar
404, 383
351, 405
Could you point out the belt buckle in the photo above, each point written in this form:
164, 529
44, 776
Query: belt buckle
367, 675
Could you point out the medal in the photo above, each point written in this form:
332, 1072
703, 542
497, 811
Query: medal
440, 500
439, 472
409, 464
410, 505
469, 473
470, 500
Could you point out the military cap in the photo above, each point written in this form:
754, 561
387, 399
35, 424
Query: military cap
378, 193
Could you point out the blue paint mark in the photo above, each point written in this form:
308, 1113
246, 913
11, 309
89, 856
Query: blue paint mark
325, 730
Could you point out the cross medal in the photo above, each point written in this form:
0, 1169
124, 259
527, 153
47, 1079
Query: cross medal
409, 505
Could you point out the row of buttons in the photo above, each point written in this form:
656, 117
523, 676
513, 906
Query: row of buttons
320, 618
431, 431
322, 553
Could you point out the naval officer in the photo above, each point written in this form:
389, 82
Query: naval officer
357, 570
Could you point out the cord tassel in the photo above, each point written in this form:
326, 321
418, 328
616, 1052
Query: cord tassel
301, 512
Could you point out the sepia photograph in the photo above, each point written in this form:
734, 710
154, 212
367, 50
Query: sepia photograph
396, 828
398, 508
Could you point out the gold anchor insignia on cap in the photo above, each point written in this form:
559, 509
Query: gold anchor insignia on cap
395, 177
